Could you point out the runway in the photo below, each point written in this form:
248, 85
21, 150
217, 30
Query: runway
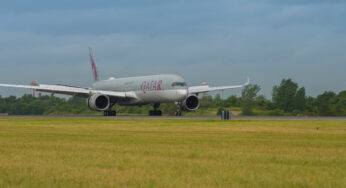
314, 118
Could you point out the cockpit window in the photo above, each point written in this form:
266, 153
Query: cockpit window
181, 84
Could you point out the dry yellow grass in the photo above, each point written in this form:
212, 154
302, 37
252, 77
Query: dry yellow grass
171, 153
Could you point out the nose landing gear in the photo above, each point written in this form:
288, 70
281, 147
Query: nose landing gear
178, 112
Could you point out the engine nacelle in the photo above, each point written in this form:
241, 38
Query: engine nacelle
191, 103
99, 102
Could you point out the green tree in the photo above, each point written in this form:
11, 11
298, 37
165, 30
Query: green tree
325, 103
217, 100
262, 102
310, 105
285, 96
249, 93
11, 99
233, 101
341, 103
300, 100
206, 101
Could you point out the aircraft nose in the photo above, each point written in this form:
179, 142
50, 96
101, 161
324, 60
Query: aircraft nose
181, 94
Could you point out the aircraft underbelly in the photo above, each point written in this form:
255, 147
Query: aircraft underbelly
158, 96
150, 97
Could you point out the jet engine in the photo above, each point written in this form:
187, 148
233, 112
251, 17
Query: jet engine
191, 103
99, 102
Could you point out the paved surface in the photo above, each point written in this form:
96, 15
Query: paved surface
189, 117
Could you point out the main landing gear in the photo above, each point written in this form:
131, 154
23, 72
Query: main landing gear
178, 112
109, 113
155, 112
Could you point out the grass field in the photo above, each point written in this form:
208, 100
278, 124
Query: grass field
171, 153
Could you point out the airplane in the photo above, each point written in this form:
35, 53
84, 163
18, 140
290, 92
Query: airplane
133, 91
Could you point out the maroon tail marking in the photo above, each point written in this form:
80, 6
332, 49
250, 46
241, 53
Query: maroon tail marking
93, 66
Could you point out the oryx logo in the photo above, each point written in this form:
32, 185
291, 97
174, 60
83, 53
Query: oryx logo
151, 85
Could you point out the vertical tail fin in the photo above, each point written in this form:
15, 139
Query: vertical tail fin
93, 65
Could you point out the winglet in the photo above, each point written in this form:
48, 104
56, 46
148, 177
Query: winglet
93, 65
247, 81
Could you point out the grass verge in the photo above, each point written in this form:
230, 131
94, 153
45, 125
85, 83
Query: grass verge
171, 153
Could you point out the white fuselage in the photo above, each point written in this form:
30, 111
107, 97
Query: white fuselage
147, 89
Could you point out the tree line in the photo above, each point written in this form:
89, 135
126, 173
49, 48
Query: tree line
287, 99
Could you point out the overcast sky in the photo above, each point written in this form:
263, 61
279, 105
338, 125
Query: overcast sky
219, 42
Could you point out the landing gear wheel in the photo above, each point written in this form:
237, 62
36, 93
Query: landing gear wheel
109, 113
178, 113
155, 113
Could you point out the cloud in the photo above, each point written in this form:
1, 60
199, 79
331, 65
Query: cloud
215, 41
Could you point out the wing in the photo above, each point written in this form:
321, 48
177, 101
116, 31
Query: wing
203, 89
71, 90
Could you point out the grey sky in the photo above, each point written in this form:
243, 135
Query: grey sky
220, 42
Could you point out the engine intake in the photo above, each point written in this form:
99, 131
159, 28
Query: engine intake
99, 102
191, 103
